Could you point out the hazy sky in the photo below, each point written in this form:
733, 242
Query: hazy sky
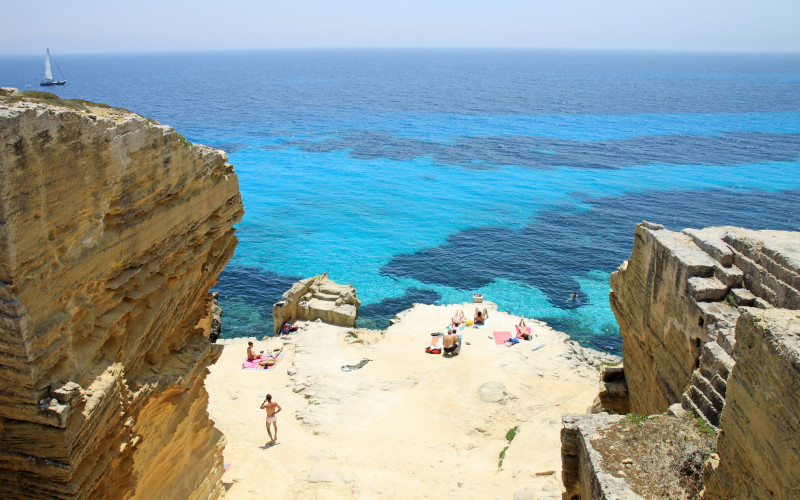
85, 26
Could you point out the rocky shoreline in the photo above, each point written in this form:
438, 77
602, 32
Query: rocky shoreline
404, 414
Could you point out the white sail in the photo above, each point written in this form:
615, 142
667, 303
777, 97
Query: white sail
48, 70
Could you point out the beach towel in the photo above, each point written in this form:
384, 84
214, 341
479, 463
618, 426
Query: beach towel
485, 323
501, 337
436, 345
253, 365
520, 336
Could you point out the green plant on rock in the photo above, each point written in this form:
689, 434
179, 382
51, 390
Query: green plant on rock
502, 457
36, 94
510, 435
600, 366
704, 427
184, 140
636, 418
512, 432
730, 300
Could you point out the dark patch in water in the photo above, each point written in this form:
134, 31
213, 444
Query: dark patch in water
607, 340
480, 152
377, 316
561, 246
246, 296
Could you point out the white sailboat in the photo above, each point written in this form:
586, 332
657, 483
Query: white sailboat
48, 72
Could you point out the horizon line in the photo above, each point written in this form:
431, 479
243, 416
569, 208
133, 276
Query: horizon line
426, 48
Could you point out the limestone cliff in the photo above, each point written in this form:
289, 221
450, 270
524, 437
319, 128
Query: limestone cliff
113, 230
314, 298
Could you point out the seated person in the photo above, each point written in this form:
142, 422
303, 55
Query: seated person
288, 328
480, 318
458, 319
252, 355
270, 359
522, 330
451, 344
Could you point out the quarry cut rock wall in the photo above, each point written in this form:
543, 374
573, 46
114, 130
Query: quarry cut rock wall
677, 300
112, 230
709, 319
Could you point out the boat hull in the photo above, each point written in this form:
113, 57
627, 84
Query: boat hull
46, 83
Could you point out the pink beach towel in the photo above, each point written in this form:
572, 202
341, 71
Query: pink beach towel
253, 365
501, 337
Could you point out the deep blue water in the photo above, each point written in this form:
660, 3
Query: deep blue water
427, 176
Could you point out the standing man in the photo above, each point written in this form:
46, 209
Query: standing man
272, 411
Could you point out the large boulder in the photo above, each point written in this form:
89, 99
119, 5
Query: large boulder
315, 298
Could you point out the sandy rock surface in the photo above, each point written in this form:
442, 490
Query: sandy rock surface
406, 424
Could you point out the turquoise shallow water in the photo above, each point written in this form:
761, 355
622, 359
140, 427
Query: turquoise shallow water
427, 176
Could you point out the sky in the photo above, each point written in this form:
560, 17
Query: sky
108, 26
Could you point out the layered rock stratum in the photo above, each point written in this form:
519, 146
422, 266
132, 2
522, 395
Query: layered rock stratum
113, 229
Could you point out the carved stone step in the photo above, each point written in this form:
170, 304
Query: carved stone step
704, 386
326, 296
705, 406
706, 289
720, 385
688, 405
726, 339
730, 276
743, 297
716, 360
712, 245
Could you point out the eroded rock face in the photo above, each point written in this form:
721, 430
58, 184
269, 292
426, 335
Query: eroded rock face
113, 230
317, 298
759, 446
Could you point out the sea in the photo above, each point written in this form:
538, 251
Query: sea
427, 176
